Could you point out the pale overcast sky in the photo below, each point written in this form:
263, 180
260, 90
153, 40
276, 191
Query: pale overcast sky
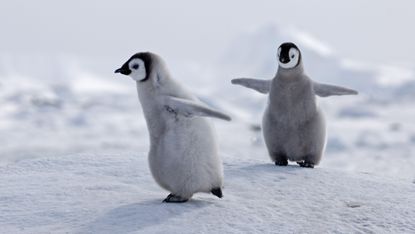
380, 31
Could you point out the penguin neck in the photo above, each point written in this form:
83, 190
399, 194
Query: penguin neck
148, 100
290, 75
284, 79
146, 96
158, 84
148, 92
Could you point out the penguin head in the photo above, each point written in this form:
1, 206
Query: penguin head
138, 67
289, 55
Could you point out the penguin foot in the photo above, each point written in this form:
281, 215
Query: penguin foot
171, 198
306, 164
217, 192
281, 162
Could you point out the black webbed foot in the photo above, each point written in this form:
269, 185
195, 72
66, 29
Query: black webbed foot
281, 162
217, 192
171, 198
281, 159
306, 164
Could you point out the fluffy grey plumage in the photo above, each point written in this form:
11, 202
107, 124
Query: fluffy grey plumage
183, 153
293, 125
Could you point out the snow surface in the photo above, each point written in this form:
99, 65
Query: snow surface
115, 193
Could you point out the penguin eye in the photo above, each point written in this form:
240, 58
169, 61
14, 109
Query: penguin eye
136, 66
292, 56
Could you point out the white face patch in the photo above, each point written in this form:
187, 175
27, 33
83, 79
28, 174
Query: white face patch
294, 55
138, 70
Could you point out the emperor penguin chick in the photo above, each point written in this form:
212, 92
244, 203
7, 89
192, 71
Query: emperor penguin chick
293, 125
183, 153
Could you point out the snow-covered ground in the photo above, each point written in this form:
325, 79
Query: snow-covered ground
74, 142
114, 193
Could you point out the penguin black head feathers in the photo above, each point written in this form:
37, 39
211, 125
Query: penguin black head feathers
289, 56
138, 66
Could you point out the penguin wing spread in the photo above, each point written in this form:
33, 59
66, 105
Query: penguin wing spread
190, 108
262, 86
325, 90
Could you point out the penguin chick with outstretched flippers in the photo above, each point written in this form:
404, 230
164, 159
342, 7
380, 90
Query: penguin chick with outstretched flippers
183, 153
293, 125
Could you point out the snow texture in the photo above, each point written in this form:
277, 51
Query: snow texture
88, 193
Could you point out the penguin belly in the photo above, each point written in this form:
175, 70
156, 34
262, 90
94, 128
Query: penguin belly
296, 140
185, 159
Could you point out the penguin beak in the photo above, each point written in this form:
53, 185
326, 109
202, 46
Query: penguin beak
123, 70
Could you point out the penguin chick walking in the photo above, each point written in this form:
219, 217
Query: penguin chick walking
293, 125
183, 153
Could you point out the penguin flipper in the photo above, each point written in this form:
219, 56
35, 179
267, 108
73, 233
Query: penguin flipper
262, 86
325, 90
190, 108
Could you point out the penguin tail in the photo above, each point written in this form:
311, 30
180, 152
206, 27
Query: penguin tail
217, 192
